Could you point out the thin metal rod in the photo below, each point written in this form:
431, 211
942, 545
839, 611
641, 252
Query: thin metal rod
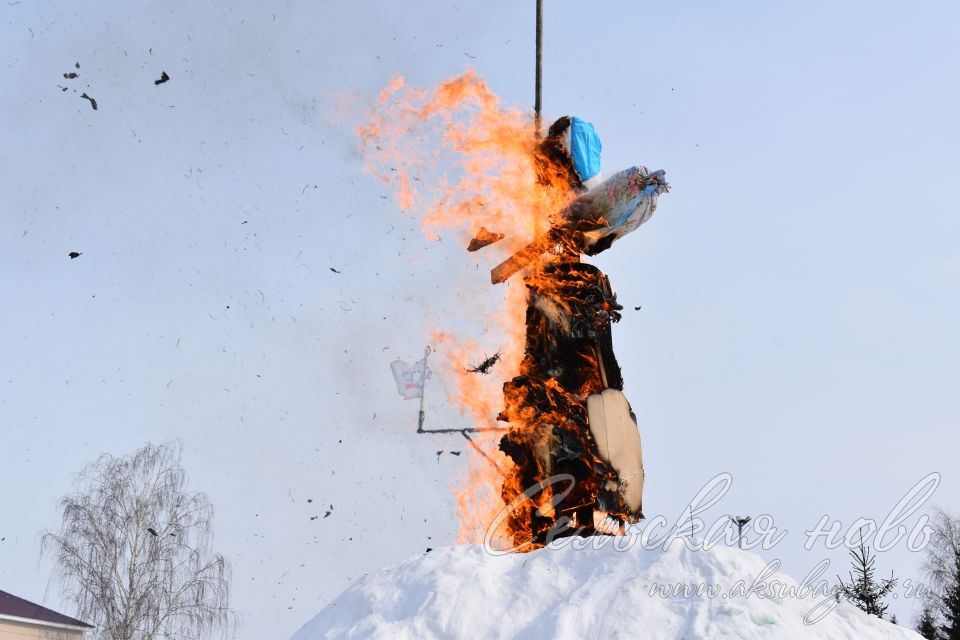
421, 416
537, 103
482, 452
423, 388
420, 429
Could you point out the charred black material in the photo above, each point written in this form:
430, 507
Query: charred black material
600, 245
487, 364
553, 155
569, 313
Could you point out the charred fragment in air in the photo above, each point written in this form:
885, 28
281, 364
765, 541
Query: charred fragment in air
487, 364
163, 78
483, 238
93, 103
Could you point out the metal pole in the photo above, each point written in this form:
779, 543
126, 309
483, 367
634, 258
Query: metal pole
537, 103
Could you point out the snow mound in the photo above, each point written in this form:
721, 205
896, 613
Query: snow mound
465, 592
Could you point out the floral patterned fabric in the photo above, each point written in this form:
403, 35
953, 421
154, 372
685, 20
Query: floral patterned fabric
619, 204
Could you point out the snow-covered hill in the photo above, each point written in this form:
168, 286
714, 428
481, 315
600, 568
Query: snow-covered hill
464, 592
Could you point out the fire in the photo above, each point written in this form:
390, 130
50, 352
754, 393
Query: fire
461, 161
494, 181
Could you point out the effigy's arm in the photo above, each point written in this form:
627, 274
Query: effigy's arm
609, 211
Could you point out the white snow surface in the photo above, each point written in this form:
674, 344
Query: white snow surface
568, 593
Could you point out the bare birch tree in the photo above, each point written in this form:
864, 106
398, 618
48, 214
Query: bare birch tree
133, 551
943, 567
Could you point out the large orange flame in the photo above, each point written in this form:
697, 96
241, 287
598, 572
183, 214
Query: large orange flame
461, 161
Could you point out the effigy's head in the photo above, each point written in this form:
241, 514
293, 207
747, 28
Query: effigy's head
572, 149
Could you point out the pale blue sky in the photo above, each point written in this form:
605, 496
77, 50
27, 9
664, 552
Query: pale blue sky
799, 283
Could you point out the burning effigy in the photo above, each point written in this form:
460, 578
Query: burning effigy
566, 409
573, 459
